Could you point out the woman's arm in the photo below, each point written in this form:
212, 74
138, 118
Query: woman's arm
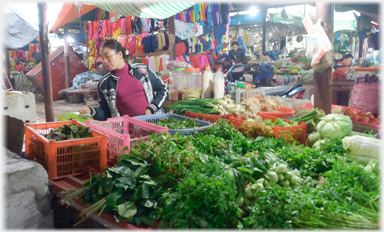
160, 92
101, 113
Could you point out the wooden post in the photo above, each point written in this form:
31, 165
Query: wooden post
172, 38
45, 65
264, 29
322, 80
66, 57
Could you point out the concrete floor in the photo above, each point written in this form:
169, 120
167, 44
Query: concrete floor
59, 106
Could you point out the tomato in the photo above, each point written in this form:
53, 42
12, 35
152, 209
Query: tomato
364, 119
361, 113
355, 117
370, 116
348, 112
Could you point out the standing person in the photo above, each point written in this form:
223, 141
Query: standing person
237, 54
126, 89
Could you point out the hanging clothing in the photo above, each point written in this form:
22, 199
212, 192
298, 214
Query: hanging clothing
161, 40
215, 8
123, 29
145, 25
128, 20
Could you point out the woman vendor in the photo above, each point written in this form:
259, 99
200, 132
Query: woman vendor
341, 67
237, 54
127, 89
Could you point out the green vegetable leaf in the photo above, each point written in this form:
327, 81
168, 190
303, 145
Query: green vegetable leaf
127, 209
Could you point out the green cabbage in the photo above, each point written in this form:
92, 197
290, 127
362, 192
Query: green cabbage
335, 126
362, 146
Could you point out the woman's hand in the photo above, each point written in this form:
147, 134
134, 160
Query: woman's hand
85, 110
147, 112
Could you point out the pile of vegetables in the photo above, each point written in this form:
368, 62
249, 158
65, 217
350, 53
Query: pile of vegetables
69, 132
362, 116
211, 106
280, 122
176, 123
81, 117
219, 178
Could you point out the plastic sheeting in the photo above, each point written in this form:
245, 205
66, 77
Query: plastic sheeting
18, 31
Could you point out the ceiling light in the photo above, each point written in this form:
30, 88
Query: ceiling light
253, 11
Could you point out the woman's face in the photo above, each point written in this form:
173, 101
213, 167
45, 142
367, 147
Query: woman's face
111, 59
235, 47
347, 61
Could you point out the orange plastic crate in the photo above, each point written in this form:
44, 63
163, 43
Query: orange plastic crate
251, 129
283, 112
65, 158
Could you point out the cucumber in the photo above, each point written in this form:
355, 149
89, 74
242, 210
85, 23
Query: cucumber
281, 177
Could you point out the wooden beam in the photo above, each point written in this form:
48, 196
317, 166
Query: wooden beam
45, 64
322, 86
172, 38
66, 57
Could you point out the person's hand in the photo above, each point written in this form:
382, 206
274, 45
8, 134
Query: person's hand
147, 112
85, 110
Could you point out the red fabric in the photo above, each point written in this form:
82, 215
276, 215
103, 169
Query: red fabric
95, 30
141, 45
123, 27
109, 29
339, 74
180, 49
99, 14
129, 26
130, 95
19, 67
194, 60
161, 65
90, 31
104, 29
181, 17
127, 43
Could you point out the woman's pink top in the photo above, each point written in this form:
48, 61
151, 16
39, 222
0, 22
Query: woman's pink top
130, 95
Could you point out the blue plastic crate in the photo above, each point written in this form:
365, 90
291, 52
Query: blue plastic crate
156, 117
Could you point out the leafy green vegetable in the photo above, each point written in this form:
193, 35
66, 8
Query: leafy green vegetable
204, 199
176, 123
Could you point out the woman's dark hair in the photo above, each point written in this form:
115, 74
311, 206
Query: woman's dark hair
116, 46
347, 56
235, 43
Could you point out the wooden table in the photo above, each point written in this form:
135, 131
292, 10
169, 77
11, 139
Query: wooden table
79, 95
341, 92
69, 216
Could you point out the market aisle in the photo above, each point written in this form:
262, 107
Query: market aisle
60, 106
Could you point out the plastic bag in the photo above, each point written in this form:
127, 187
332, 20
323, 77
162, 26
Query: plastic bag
318, 46
85, 77
365, 96
174, 64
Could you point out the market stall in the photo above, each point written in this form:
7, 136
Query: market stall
224, 154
